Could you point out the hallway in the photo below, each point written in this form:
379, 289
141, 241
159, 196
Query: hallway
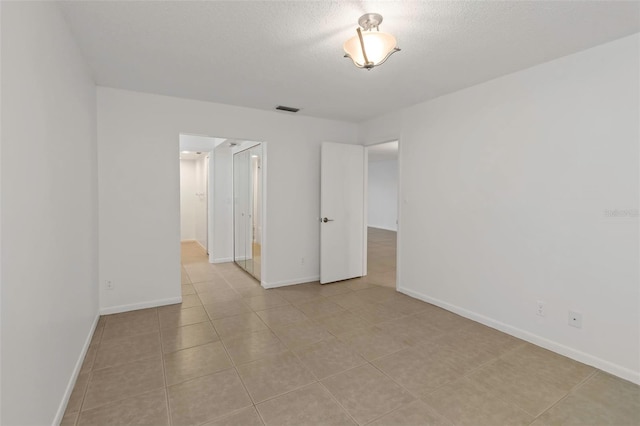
345, 353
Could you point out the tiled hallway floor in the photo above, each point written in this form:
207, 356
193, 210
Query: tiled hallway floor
381, 257
345, 353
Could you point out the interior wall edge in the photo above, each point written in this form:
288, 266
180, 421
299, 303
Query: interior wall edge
575, 354
75, 373
290, 282
223, 260
50, 205
382, 227
141, 305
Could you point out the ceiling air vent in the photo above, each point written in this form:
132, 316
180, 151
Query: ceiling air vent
286, 108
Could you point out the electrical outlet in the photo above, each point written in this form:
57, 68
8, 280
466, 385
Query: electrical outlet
575, 319
541, 308
109, 284
302, 260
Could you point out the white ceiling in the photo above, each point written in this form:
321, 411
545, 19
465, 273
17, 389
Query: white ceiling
190, 155
266, 53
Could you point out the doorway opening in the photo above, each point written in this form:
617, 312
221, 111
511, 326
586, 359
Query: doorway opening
194, 197
196, 193
213, 190
382, 213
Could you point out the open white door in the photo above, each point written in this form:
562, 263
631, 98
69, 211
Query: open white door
342, 212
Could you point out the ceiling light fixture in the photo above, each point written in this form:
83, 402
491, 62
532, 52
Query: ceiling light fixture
370, 48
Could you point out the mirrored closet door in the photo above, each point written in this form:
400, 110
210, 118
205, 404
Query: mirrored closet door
247, 209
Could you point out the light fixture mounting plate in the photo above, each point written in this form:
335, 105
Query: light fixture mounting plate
370, 20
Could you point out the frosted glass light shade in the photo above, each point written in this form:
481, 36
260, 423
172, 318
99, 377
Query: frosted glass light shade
378, 46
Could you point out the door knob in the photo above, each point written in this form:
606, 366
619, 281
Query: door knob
325, 220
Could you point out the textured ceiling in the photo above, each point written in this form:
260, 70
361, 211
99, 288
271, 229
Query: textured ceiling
268, 53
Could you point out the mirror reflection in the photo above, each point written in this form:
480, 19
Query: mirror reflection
247, 209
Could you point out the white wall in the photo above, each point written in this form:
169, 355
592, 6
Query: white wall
187, 200
505, 188
140, 123
381, 129
383, 194
49, 212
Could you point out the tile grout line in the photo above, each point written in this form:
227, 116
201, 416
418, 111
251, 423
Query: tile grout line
496, 395
164, 372
385, 375
271, 398
259, 415
244, 386
233, 365
465, 376
372, 324
501, 398
479, 367
394, 381
235, 368
332, 396
535, 417
89, 373
568, 393
120, 399
418, 398
584, 381
273, 331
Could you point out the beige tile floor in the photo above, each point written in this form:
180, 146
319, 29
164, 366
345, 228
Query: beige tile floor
352, 352
381, 257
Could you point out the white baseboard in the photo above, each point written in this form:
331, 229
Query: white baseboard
141, 305
291, 282
223, 260
74, 375
383, 228
609, 367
